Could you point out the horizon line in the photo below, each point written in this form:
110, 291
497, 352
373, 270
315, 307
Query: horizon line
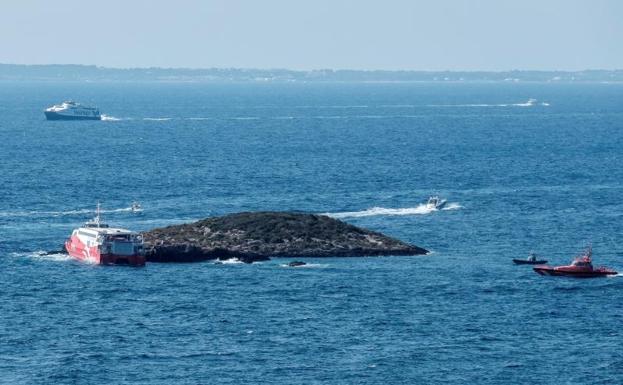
307, 70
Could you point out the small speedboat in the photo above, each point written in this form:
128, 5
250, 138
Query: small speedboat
296, 264
532, 259
136, 207
581, 267
435, 203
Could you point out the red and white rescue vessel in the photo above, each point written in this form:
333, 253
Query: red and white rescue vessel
98, 243
581, 267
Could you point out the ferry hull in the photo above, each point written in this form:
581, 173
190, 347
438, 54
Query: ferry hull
51, 115
81, 252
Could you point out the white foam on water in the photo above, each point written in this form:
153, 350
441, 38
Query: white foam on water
158, 119
529, 103
452, 206
362, 116
44, 256
110, 118
378, 211
199, 118
468, 105
9, 214
60, 213
43, 213
231, 261
336, 117
124, 209
333, 106
374, 211
332, 117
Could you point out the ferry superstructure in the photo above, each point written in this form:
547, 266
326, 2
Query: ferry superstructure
98, 243
70, 110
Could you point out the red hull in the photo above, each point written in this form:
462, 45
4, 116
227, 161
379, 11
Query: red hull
566, 271
78, 250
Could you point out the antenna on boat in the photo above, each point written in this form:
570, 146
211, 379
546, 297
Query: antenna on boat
96, 220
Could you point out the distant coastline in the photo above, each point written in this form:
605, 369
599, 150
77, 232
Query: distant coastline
92, 73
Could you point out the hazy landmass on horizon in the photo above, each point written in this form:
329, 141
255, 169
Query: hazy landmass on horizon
78, 72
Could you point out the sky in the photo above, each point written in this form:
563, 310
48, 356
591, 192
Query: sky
490, 35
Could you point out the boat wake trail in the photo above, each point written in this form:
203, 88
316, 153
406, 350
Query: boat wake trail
57, 256
158, 119
528, 103
110, 118
16, 214
422, 209
306, 266
452, 206
230, 261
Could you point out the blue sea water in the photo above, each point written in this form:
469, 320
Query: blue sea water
521, 175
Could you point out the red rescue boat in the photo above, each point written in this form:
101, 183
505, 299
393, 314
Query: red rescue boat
581, 267
98, 243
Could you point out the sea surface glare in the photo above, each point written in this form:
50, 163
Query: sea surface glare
521, 175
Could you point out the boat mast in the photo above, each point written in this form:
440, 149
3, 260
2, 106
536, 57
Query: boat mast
97, 215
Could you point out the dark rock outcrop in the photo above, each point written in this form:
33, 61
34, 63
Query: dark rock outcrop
255, 236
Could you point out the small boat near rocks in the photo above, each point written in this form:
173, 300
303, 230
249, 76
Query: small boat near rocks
296, 264
532, 259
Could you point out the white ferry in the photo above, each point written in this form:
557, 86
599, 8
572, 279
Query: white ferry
72, 111
98, 243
